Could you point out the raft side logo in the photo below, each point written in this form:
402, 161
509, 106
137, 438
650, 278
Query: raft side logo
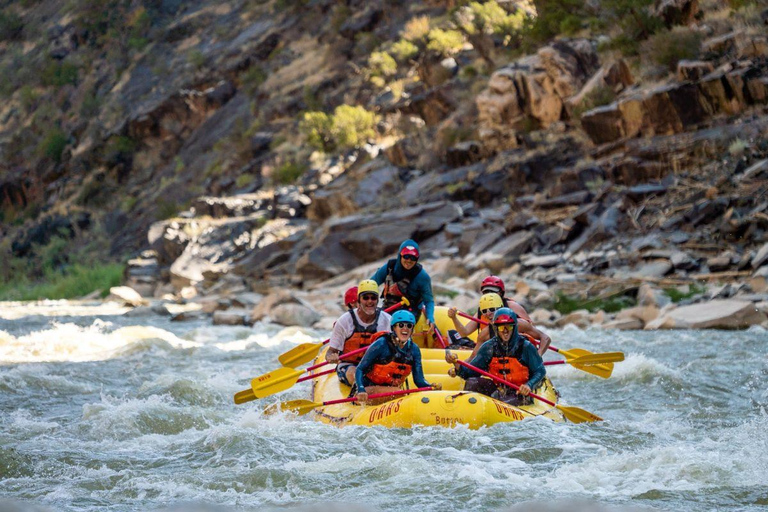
508, 411
382, 411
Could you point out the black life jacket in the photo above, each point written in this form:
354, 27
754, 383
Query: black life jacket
395, 290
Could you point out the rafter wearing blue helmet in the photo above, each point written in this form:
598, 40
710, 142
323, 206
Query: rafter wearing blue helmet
391, 359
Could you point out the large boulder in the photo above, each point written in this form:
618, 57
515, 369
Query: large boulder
533, 89
348, 242
715, 314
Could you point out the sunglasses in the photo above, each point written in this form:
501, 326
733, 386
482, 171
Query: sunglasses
505, 327
404, 325
369, 296
487, 311
410, 257
490, 289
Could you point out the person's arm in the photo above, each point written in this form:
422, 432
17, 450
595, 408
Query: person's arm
380, 274
366, 363
482, 361
338, 337
418, 370
536, 369
528, 328
463, 330
427, 299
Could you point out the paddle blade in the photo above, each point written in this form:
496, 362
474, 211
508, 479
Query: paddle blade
300, 354
578, 415
301, 407
602, 357
274, 381
603, 370
243, 396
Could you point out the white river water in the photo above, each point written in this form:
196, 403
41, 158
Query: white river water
101, 412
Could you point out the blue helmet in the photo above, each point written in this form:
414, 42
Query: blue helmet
402, 315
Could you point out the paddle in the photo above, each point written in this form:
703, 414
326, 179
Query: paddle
282, 379
304, 353
304, 406
572, 414
602, 369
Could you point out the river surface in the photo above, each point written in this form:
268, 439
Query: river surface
102, 412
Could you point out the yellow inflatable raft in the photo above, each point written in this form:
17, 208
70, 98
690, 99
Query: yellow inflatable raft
449, 407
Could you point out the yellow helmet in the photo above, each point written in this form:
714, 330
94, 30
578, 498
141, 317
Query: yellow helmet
367, 286
491, 301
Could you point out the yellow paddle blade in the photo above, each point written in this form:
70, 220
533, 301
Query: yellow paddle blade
300, 354
577, 415
301, 407
602, 357
601, 370
274, 381
243, 396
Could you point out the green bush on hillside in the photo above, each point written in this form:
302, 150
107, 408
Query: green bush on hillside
348, 127
289, 172
404, 50
52, 146
382, 64
669, 47
445, 42
58, 73
11, 26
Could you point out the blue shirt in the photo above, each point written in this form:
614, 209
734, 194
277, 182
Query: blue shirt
381, 352
420, 286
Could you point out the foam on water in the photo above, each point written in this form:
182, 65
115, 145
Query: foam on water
73, 343
141, 418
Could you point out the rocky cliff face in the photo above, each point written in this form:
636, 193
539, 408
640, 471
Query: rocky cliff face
171, 129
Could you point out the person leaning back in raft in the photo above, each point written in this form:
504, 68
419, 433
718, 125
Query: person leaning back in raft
489, 304
507, 355
390, 360
357, 328
404, 277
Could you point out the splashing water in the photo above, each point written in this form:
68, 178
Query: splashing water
103, 412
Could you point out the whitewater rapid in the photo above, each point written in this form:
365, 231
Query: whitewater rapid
105, 412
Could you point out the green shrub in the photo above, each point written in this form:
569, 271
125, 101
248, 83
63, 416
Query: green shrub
316, 127
28, 97
74, 281
382, 64
404, 50
491, 18
252, 79
677, 295
445, 42
352, 125
244, 180
90, 106
167, 209
196, 59
11, 26
347, 128
599, 96
416, 29
52, 146
289, 172
566, 304
671, 46
57, 73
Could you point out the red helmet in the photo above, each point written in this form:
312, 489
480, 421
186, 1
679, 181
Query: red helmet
504, 316
350, 296
493, 282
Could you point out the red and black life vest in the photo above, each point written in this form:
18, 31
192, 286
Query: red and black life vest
361, 337
394, 291
395, 370
507, 366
